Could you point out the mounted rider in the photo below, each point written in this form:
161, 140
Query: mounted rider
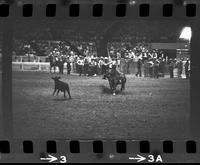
113, 69
114, 76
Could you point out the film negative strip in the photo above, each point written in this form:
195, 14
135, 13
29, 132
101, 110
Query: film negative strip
103, 81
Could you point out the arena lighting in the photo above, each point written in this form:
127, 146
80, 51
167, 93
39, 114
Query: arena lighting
186, 33
132, 2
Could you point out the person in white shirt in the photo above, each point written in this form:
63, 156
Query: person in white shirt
80, 64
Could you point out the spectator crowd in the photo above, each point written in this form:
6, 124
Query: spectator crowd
82, 58
127, 47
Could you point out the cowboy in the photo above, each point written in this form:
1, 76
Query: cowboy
187, 69
150, 67
180, 67
139, 66
68, 67
171, 68
80, 63
86, 67
155, 68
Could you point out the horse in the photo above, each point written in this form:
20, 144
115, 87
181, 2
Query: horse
56, 63
114, 80
53, 63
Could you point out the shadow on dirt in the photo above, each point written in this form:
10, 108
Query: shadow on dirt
61, 99
106, 90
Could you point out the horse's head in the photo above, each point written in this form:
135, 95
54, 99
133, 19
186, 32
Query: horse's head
107, 75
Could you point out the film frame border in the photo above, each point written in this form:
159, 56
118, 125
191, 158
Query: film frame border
183, 9
113, 151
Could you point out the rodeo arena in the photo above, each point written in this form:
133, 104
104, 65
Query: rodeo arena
119, 78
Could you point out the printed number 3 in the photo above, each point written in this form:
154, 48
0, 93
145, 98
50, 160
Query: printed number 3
63, 159
151, 158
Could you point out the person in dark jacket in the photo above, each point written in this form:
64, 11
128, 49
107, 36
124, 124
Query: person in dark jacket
86, 67
180, 68
171, 69
155, 69
61, 65
187, 69
150, 67
139, 66
68, 67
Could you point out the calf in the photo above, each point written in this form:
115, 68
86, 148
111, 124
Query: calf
61, 86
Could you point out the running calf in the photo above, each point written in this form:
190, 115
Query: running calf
61, 86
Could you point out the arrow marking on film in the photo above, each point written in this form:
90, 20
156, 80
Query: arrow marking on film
139, 158
50, 158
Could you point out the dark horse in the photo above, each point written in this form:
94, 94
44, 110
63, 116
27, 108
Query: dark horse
56, 63
115, 79
53, 63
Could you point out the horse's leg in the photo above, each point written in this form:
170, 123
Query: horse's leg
58, 92
114, 88
111, 86
64, 94
114, 91
54, 92
121, 86
68, 91
121, 81
124, 83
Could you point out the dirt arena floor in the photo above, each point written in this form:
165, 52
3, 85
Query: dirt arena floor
147, 109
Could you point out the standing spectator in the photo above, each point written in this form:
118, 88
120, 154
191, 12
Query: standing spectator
171, 68
29, 58
86, 66
187, 70
100, 66
91, 68
80, 64
62, 65
68, 67
155, 68
103, 67
128, 64
139, 66
123, 65
180, 68
95, 67
35, 58
150, 67
162, 67
146, 68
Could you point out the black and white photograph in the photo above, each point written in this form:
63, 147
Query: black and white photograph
101, 79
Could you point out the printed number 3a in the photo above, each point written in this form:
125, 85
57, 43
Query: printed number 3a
63, 159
